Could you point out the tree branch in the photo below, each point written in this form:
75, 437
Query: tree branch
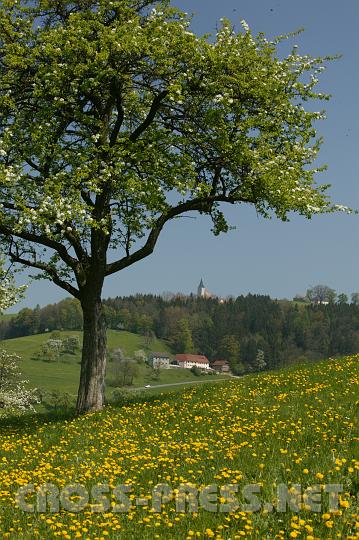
44, 241
86, 197
150, 117
33, 165
216, 179
120, 116
49, 270
198, 204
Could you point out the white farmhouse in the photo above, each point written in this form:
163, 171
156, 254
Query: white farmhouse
188, 361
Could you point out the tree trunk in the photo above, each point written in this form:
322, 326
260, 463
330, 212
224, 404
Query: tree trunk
91, 394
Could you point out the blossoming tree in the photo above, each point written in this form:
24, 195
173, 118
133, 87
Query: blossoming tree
116, 119
9, 293
15, 397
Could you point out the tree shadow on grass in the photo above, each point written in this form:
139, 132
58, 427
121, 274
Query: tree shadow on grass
31, 422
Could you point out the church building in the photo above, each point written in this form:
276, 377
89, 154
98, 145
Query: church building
202, 292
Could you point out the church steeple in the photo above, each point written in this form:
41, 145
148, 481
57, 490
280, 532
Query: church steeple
201, 289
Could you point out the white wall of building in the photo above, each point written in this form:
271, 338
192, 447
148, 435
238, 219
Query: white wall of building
189, 365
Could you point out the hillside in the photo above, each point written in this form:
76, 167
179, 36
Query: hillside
245, 331
63, 375
287, 427
7, 316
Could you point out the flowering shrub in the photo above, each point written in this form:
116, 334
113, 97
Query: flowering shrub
14, 396
9, 294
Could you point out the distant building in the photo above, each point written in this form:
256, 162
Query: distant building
188, 361
222, 366
202, 291
159, 361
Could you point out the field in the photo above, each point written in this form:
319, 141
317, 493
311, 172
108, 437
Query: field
63, 375
6, 316
293, 428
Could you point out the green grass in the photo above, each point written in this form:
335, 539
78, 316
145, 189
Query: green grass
296, 426
63, 375
168, 376
6, 316
27, 346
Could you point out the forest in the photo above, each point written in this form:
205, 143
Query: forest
252, 332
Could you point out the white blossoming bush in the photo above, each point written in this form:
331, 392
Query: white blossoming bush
9, 295
15, 397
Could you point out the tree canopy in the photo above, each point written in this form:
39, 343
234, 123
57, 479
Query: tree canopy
116, 118
321, 293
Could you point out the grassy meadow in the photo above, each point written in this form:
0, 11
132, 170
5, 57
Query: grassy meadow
296, 426
6, 316
63, 375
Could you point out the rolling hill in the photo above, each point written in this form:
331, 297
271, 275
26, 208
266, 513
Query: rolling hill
63, 375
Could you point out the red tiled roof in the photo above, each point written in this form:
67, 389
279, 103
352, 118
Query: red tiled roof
200, 359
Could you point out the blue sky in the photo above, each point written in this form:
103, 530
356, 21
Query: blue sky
268, 257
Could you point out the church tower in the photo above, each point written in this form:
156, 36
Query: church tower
201, 290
